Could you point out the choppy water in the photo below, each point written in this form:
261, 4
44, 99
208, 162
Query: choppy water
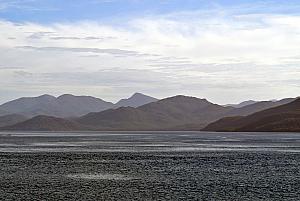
150, 166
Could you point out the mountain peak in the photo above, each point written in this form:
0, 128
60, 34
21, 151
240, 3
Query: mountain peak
138, 94
136, 100
183, 98
65, 95
46, 96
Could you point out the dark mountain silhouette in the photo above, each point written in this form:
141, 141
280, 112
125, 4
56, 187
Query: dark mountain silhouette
11, 119
135, 100
46, 123
242, 104
281, 118
166, 114
63, 106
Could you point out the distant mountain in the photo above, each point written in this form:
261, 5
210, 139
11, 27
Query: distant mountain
11, 119
3, 112
81, 105
46, 123
63, 106
281, 118
174, 113
242, 104
166, 114
258, 106
135, 100
32, 104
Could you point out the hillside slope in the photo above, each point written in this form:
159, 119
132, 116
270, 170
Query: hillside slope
258, 106
164, 114
282, 118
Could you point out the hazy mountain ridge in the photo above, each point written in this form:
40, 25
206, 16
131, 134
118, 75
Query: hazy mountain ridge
46, 123
242, 104
66, 105
166, 114
11, 119
81, 105
3, 112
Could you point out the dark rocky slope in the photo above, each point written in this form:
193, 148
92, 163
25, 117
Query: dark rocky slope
282, 118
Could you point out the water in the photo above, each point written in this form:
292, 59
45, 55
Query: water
149, 166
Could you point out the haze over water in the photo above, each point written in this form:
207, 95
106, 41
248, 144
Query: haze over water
150, 166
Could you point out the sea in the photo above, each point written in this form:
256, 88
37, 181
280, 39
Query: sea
149, 166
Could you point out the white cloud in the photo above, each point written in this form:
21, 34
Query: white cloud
244, 56
24, 5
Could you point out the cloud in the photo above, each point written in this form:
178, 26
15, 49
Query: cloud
21, 73
53, 36
39, 35
116, 52
78, 38
10, 68
246, 56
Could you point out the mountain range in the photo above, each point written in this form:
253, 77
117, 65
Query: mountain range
139, 112
165, 114
62, 106
67, 105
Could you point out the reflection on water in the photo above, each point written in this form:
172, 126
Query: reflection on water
148, 142
99, 176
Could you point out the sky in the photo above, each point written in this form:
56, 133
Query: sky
221, 50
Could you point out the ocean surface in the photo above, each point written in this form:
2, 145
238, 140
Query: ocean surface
149, 166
